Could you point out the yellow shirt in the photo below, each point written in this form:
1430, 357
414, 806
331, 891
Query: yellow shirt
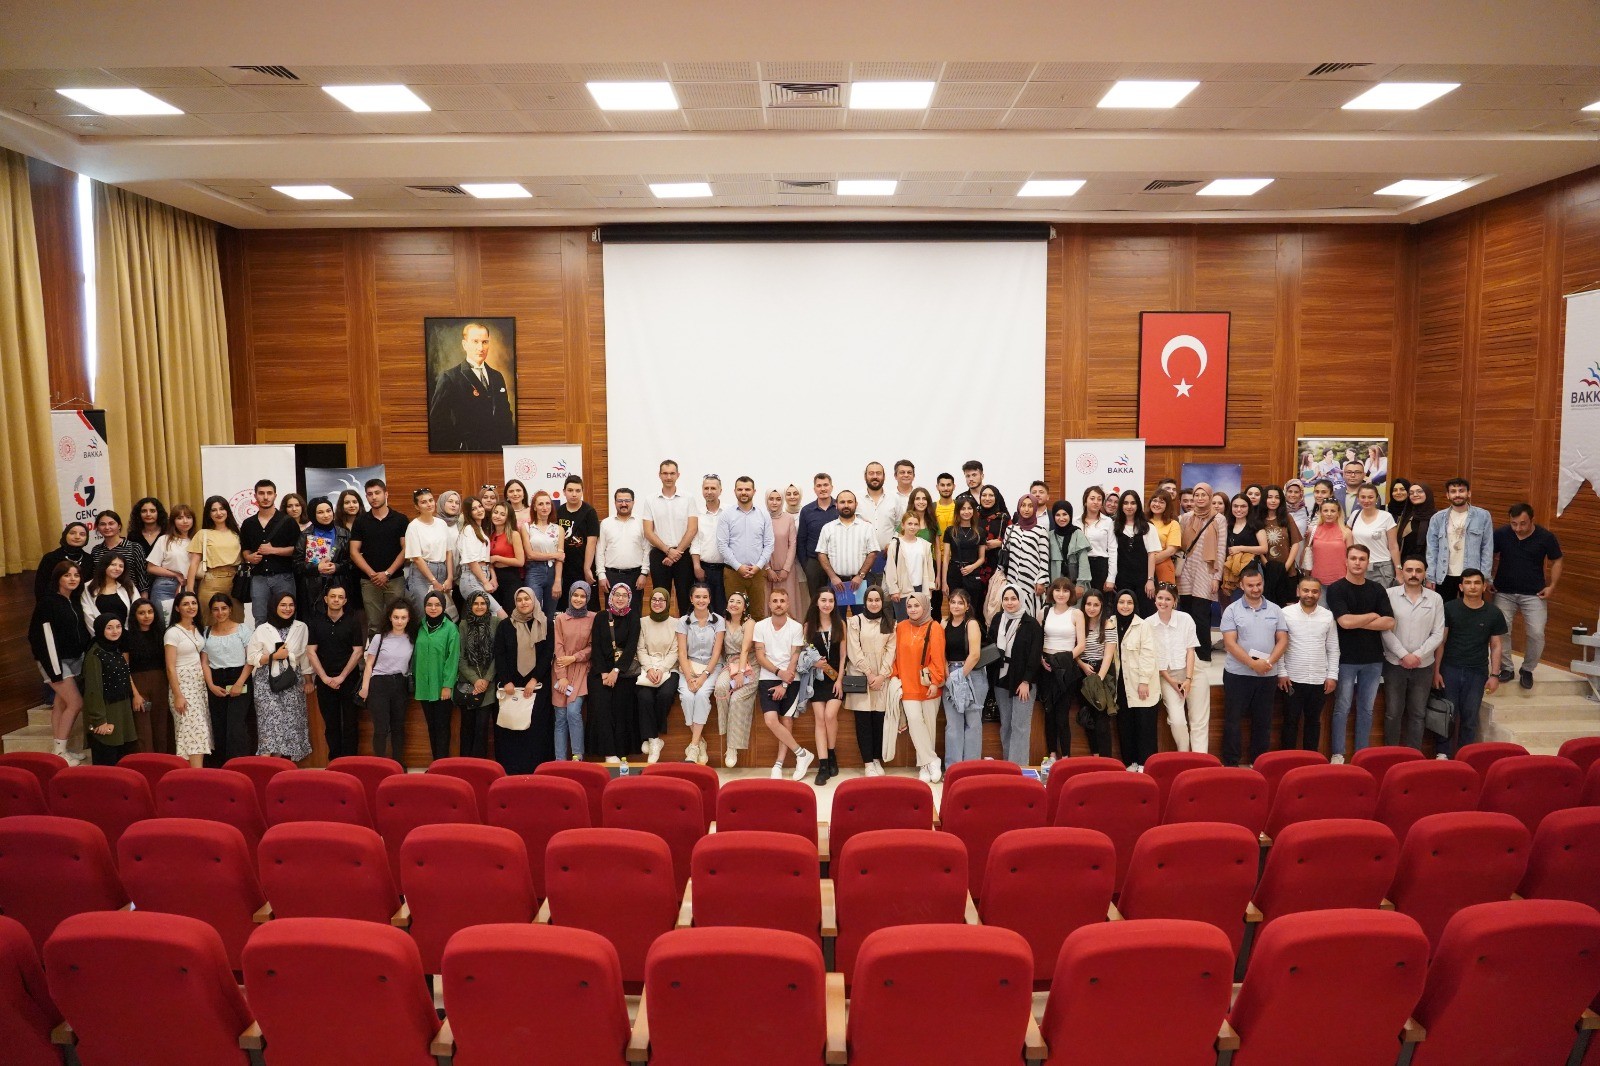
1171, 537
945, 512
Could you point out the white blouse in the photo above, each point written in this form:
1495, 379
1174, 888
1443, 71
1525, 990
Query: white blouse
429, 541
470, 549
265, 640
546, 540
189, 644
1060, 630
171, 552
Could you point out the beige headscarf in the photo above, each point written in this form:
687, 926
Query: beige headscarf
530, 627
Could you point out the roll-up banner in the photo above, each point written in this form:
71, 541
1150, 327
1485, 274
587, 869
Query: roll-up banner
83, 467
232, 470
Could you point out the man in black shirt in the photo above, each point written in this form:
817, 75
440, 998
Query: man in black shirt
1521, 551
580, 527
267, 539
376, 541
1470, 657
1362, 612
335, 648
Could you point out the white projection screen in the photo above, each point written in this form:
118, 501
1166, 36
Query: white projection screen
781, 360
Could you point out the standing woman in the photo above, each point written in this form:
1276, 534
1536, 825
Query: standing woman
964, 553
186, 680
908, 565
1247, 544
700, 636
993, 520
1063, 628
472, 553
1399, 498
1021, 643
428, 546
1283, 546
214, 555
294, 508
109, 695
349, 508
1027, 549
505, 555
1069, 548
450, 507
1138, 545
323, 553
144, 643
736, 688
149, 522
824, 632
476, 668
1097, 659
58, 638
965, 686
1326, 542
437, 664
542, 546
1257, 497
781, 572
570, 678
1413, 530
919, 664
1374, 529
1140, 688
278, 648
522, 666
516, 500
1100, 530
613, 705
168, 562
383, 682
224, 661
869, 653
1162, 513
334, 648
111, 591
656, 686
921, 504
73, 549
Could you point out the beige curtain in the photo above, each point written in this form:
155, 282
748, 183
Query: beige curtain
29, 518
163, 376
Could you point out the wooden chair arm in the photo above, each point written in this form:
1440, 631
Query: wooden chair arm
444, 1042
639, 1042
830, 909
126, 906
1385, 905
402, 917
837, 1050
1253, 915
686, 907
1265, 841
1033, 1046
543, 917
1112, 914
262, 916
824, 842
1412, 1033
972, 912
63, 1036
1588, 1021
1227, 1039
250, 1039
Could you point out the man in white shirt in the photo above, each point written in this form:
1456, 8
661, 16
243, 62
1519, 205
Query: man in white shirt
905, 473
1185, 689
744, 540
846, 550
619, 558
876, 508
705, 551
1309, 671
777, 641
1409, 650
669, 527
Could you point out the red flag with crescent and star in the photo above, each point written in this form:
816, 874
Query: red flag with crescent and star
1183, 378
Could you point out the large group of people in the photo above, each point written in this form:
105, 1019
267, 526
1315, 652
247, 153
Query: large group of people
530, 622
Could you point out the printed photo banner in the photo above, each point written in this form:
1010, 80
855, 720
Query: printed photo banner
1114, 465
327, 482
83, 467
232, 470
1580, 399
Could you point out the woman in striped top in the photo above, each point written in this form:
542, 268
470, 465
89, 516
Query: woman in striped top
1027, 549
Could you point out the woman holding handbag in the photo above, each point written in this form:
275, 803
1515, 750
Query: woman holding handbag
384, 686
868, 673
1026, 556
1063, 628
226, 661
908, 565
216, 559
613, 731
1097, 659
965, 682
281, 673
525, 737
919, 665
1021, 643
825, 634
474, 692
1140, 688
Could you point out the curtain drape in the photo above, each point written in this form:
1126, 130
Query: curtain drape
29, 521
163, 373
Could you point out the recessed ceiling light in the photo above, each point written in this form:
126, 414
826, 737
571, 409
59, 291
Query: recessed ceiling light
1147, 93
633, 95
1042, 187
1234, 187
865, 187
1594, 106
680, 190
1400, 95
311, 192
120, 101
497, 191
376, 98
1418, 187
890, 95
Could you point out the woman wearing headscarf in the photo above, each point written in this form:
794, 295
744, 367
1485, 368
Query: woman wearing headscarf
1027, 556
147, 659
570, 677
869, 653
436, 666
781, 571
323, 554
1020, 640
476, 668
278, 647
108, 694
657, 683
74, 549
1140, 691
919, 664
613, 710
519, 667
1069, 548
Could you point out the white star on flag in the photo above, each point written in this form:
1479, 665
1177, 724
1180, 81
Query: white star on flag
1183, 387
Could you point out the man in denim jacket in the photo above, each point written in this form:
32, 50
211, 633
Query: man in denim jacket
1460, 537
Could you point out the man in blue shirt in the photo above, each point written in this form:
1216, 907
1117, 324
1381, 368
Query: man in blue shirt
813, 516
744, 537
1522, 551
1460, 538
1255, 636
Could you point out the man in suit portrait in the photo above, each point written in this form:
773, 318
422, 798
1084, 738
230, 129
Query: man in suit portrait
470, 409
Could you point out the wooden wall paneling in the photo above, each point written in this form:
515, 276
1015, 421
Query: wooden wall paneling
1288, 268
1349, 322
1236, 271
1435, 367
593, 322
56, 233
20, 685
1055, 388
360, 282
1127, 274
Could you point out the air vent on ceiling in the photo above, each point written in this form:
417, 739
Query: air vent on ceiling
1333, 68
277, 72
805, 188
804, 94
436, 190
1171, 183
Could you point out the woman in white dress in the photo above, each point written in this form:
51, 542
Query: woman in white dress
191, 710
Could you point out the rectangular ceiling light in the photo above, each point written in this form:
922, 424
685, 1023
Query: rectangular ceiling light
863, 187
509, 190
1594, 106
680, 190
890, 95
633, 95
1147, 93
1400, 95
1234, 187
1418, 187
311, 192
1043, 187
376, 99
120, 101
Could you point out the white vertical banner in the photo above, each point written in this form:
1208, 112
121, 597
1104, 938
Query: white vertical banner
1114, 465
232, 470
1580, 399
83, 467
542, 466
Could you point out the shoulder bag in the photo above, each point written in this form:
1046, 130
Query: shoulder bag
1440, 715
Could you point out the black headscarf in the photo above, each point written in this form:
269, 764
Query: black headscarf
433, 624
116, 682
1124, 621
477, 634
1062, 533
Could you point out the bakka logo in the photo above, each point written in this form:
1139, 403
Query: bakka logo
1592, 378
559, 470
1122, 464
1589, 396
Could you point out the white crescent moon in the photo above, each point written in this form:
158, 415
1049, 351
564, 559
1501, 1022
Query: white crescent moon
1184, 341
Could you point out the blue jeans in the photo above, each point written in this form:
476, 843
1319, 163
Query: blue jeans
963, 714
1016, 724
1359, 680
264, 590
569, 723
163, 590
541, 576
1464, 688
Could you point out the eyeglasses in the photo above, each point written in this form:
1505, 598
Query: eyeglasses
486, 488
419, 493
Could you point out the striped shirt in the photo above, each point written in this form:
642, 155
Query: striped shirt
847, 545
1028, 555
1313, 655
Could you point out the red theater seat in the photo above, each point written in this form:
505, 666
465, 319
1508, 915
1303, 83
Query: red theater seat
615, 882
315, 796
758, 880
1063, 771
1528, 787
225, 796
200, 869
865, 804
769, 806
1564, 862
537, 808
889, 877
1308, 793
1327, 864
669, 808
370, 770
153, 765
1591, 786
27, 1013
1165, 766
260, 769
1583, 751
456, 876
410, 800
1274, 764
1045, 883
41, 764
1484, 754
1452, 861
20, 793
985, 807
1122, 806
1379, 760
1412, 791
1232, 794
106, 796
977, 768
1197, 871
481, 774
703, 778
52, 868
592, 776
327, 870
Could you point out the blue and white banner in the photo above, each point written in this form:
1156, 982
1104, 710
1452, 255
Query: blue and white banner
542, 466
83, 467
1580, 399
1114, 465
327, 482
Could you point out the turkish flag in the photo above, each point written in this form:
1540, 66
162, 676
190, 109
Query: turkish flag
1183, 378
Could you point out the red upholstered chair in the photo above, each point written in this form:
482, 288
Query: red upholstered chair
592, 776
1452, 861
1412, 791
317, 797
107, 796
1274, 764
410, 800
728, 997
41, 764
370, 770
1564, 862
769, 806
615, 882
940, 993
1108, 975
52, 868
1165, 766
1122, 806
154, 765
977, 768
479, 773
888, 877
537, 808
225, 796
985, 807
758, 880
536, 994
20, 793
1196, 871
864, 804
329, 992
1307, 793
146, 989
1378, 761
1045, 883
669, 808
260, 769
1591, 789
1508, 984
1583, 751
1232, 794
196, 868
27, 1013
703, 778
1330, 989
327, 870
1064, 770
1484, 754
456, 876
1326, 865
1528, 787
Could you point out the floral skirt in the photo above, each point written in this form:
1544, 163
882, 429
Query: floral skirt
280, 718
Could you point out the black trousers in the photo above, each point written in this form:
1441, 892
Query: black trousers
675, 579
1058, 689
1302, 717
1246, 695
869, 735
103, 754
230, 719
655, 702
388, 699
622, 577
437, 712
1136, 728
1199, 608
719, 595
340, 718
1449, 588
475, 730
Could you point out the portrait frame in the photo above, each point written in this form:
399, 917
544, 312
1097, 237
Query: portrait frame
464, 416
1318, 438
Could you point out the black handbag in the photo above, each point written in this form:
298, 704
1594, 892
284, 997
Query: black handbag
282, 680
1440, 714
241, 583
463, 697
853, 684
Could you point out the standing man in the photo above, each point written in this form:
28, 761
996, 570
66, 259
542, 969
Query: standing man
470, 409
376, 542
705, 551
972, 473
1469, 663
1310, 669
876, 508
1361, 609
619, 555
1355, 475
744, 539
1200, 570
580, 529
1185, 689
905, 476
267, 540
944, 507
1255, 636
845, 552
1521, 552
1409, 650
1041, 499
1460, 538
669, 529
813, 516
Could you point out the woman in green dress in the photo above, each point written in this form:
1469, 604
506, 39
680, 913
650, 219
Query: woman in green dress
437, 665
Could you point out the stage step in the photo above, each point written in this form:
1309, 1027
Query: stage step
35, 736
1555, 710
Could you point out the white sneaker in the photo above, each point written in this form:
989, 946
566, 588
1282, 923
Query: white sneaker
1138, 767
655, 749
935, 772
700, 755
876, 769
777, 771
645, 747
1337, 760
612, 760
922, 775
731, 759
688, 753
802, 762
75, 758
577, 758
1441, 755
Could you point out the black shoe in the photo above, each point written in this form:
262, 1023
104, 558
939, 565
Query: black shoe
1526, 680
1505, 676
824, 772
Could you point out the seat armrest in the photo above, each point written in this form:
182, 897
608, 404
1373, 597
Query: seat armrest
972, 912
1385, 904
1033, 1046
824, 842
444, 1042
543, 917
63, 1036
639, 1042
1112, 914
830, 910
686, 907
1412, 1033
402, 917
1589, 1021
262, 916
1253, 915
250, 1039
837, 1049
1227, 1039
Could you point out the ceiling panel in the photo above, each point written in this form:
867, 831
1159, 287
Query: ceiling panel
736, 71
806, 70
726, 119
965, 119
465, 97
1063, 93
550, 96
976, 94
698, 94
987, 71
254, 124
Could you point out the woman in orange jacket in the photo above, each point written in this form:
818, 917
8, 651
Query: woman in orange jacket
919, 666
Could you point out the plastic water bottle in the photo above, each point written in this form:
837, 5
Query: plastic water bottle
623, 771
1044, 768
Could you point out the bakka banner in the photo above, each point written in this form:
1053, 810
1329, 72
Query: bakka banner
83, 466
1113, 465
1580, 399
542, 466
232, 470
1183, 378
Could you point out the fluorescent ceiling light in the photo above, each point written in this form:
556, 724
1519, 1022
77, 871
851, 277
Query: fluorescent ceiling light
1040, 187
376, 98
311, 192
679, 190
1594, 106
1417, 187
1234, 187
497, 191
1147, 93
861, 187
890, 95
1400, 95
633, 95
120, 101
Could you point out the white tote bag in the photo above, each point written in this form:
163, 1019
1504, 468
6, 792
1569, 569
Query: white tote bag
516, 711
